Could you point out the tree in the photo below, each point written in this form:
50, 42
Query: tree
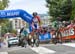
66, 10
14, 31
3, 5
5, 27
3, 22
73, 9
60, 8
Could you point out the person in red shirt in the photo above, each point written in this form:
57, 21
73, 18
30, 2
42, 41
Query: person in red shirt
71, 25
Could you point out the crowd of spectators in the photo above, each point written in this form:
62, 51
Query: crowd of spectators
54, 27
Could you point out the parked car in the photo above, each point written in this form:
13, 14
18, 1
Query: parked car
13, 41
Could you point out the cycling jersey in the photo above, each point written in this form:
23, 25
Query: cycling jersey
36, 22
24, 33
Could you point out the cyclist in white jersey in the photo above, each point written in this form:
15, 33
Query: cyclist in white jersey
36, 21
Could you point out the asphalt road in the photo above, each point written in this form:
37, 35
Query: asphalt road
42, 49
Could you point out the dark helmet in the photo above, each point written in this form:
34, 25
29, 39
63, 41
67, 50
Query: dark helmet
34, 13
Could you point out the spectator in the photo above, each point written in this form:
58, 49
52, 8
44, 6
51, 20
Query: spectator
0, 43
64, 23
58, 34
71, 25
49, 28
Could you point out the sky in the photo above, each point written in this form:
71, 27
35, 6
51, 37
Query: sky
29, 5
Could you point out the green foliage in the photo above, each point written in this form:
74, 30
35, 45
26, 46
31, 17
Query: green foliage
4, 4
4, 27
73, 9
13, 31
60, 8
4, 22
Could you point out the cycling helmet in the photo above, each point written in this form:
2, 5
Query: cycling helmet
34, 13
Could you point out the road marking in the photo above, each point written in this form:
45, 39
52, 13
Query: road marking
47, 44
42, 50
69, 44
14, 49
3, 52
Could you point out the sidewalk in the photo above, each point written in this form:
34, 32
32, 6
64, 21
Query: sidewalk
4, 44
69, 44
